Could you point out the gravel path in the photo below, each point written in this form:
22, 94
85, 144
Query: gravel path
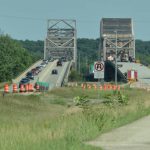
134, 136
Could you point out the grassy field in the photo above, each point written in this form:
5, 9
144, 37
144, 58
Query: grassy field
51, 121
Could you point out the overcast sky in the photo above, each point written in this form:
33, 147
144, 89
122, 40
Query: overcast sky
27, 19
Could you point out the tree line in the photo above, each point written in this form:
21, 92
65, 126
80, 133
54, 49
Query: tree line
17, 55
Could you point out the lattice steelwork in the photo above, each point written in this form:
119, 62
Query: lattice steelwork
61, 39
122, 30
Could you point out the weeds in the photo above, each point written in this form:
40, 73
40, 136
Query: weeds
116, 98
81, 100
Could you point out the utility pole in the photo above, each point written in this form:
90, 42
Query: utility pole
79, 63
116, 60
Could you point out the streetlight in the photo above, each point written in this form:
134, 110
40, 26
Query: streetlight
116, 60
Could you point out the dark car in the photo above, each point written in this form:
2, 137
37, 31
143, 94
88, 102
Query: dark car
30, 75
54, 71
59, 63
24, 81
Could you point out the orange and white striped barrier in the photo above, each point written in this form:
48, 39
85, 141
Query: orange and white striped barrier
15, 88
6, 88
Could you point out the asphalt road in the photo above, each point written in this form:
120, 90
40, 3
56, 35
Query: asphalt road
55, 80
134, 136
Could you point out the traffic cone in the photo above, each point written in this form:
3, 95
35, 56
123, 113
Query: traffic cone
6, 88
31, 88
22, 88
118, 87
15, 90
101, 88
27, 87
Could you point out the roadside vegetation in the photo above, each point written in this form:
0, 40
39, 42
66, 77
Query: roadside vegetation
54, 120
13, 58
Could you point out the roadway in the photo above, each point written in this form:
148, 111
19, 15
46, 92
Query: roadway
134, 136
54, 80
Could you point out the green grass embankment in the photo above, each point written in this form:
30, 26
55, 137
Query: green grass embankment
46, 122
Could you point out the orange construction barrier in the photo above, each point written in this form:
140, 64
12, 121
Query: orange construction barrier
89, 87
118, 87
82, 85
109, 87
114, 87
26, 87
6, 88
105, 87
15, 88
101, 87
95, 87
31, 88
22, 88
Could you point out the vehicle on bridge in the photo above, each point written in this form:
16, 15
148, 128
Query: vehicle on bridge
59, 63
24, 81
54, 71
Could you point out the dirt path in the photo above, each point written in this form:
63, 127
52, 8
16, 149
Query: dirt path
134, 136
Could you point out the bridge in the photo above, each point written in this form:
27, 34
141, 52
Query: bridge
117, 44
59, 44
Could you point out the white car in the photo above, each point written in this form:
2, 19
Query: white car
43, 65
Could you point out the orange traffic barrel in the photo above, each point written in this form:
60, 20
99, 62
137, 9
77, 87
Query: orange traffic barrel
30, 88
26, 87
82, 85
105, 87
22, 88
101, 87
6, 88
114, 87
95, 87
118, 87
15, 88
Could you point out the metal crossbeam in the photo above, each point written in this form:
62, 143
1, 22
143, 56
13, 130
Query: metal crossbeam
61, 39
125, 38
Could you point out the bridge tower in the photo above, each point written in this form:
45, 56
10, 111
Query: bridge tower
120, 31
61, 40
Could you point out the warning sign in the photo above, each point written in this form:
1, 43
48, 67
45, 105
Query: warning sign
99, 70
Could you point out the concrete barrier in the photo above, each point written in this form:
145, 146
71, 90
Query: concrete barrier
62, 75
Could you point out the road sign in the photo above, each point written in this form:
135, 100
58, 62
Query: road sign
99, 70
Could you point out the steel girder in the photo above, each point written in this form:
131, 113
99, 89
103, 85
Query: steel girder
61, 40
120, 30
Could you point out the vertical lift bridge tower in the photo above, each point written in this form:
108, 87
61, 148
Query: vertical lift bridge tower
120, 30
61, 41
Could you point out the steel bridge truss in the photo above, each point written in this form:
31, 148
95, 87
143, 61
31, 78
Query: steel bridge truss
120, 31
61, 40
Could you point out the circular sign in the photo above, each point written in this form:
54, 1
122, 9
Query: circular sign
99, 66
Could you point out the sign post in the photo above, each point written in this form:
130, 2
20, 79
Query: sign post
99, 72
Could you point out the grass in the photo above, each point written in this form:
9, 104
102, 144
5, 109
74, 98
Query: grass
45, 122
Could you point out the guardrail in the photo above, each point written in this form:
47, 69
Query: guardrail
62, 75
18, 78
67, 73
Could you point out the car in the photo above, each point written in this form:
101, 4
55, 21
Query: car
43, 65
59, 63
24, 81
39, 68
45, 61
51, 60
54, 71
30, 75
